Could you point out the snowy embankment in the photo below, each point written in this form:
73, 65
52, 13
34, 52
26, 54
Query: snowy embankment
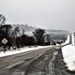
67, 41
69, 55
21, 50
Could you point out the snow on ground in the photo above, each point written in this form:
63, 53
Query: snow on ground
67, 51
67, 41
69, 55
12, 52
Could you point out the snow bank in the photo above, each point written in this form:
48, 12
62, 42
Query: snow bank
68, 52
69, 56
7, 53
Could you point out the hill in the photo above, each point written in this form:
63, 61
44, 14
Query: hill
29, 29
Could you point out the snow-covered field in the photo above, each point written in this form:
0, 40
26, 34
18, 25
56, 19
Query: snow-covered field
69, 55
12, 52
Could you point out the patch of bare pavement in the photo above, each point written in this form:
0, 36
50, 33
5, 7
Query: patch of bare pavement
46, 61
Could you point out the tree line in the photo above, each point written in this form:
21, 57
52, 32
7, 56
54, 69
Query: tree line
16, 39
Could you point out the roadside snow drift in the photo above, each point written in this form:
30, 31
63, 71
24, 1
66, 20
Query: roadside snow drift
69, 56
21, 50
68, 53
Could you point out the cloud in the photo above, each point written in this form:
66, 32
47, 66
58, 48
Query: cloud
59, 14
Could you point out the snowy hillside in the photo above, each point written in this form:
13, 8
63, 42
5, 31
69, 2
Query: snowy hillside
29, 29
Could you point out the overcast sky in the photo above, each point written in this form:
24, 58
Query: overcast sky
49, 14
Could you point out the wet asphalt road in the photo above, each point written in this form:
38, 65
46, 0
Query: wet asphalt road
40, 62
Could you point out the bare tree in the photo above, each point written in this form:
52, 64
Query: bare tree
16, 32
48, 38
39, 36
2, 20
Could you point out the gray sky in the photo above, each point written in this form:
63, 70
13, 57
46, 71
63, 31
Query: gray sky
50, 14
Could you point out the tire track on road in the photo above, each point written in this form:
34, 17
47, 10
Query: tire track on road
40, 65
